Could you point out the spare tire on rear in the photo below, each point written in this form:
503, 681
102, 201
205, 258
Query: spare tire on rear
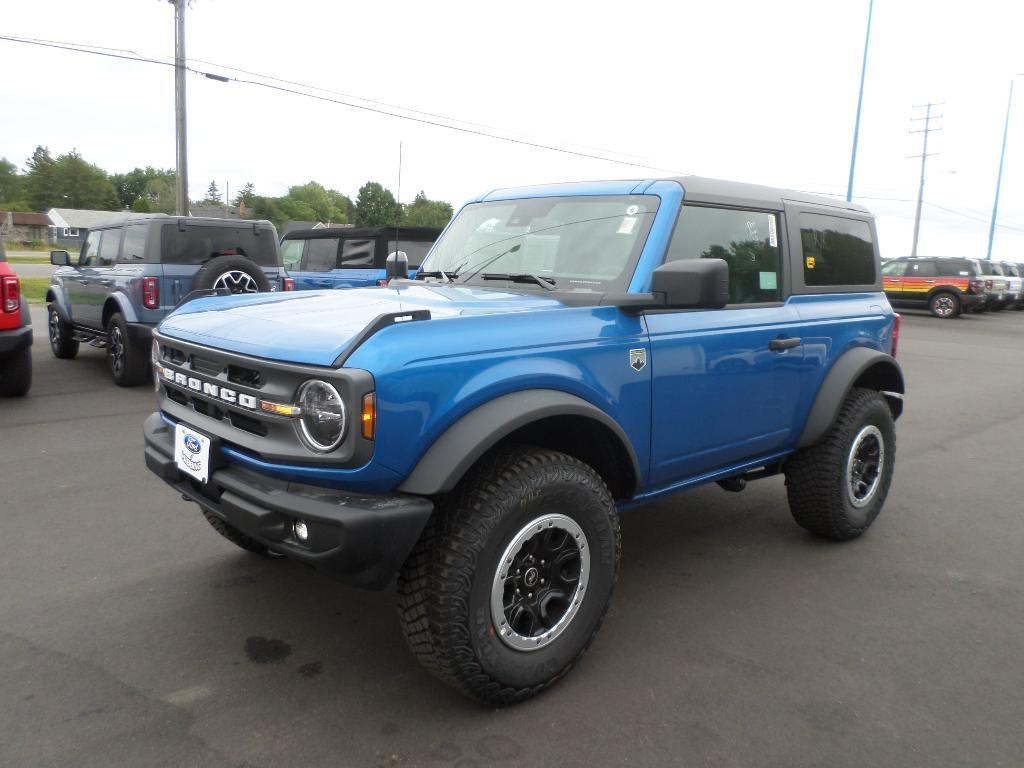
236, 273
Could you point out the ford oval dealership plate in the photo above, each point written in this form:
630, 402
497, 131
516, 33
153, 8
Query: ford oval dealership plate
192, 452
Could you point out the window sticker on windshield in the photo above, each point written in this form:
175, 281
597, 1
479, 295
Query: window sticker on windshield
626, 227
633, 210
810, 262
768, 281
773, 238
752, 230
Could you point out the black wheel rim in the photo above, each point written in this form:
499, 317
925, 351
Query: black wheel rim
864, 465
115, 350
54, 329
539, 584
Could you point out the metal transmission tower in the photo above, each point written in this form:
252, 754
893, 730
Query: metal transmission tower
181, 187
928, 117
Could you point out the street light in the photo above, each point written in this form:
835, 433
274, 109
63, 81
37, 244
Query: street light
999, 175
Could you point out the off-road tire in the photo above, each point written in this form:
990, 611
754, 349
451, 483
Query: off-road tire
61, 340
944, 305
444, 587
235, 536
128, 364
208, 274
817, 476
16, 373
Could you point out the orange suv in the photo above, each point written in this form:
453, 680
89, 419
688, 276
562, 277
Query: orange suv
945, 287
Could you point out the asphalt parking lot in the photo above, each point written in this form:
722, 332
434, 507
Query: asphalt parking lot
133, 635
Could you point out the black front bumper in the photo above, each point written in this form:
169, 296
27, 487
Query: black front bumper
360, 539
15, 340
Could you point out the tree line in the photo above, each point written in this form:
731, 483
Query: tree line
70, 181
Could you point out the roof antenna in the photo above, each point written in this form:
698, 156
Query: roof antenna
398, 196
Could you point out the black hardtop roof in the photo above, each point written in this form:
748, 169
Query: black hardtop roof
135, 218
702, 189
362, 232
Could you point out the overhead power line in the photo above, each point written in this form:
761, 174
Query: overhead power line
376, 108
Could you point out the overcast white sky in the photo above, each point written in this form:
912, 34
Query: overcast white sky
751, 91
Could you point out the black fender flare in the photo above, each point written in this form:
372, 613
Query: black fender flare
55, 296
885, 375
464, 442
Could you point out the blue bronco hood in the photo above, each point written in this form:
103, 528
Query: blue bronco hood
315, 327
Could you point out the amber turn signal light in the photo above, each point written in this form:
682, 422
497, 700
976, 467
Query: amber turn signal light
369, 416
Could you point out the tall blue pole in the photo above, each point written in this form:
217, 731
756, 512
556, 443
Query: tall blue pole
999, 176
860, 100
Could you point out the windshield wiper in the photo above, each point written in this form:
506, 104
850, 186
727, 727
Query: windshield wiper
520, 277
449, 276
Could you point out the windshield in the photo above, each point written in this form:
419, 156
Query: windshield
573, 243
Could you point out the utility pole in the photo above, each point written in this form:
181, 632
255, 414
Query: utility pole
860, 100
180, 124
999, 176
928, 117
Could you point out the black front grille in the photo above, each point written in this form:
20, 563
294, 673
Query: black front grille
247, 377
204, 365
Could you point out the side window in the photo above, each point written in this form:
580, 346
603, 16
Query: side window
291, 254
109, 246
747, 240
955, 268
134, 248
416, 250
321, 255
357, 254
837, 251
90, 248
921, 269
894, 268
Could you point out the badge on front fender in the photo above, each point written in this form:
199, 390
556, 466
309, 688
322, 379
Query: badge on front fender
637, 359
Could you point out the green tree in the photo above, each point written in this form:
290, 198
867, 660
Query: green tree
40, 189
424, 212
212, 195
376, 207
162, 194
80, 184
316, 203
246, 196
131, 186
12, 184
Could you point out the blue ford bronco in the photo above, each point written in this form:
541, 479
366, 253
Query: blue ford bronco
565, 353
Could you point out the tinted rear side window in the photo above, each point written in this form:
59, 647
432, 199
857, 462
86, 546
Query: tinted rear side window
321, 255
198, 244
415, 250
837, 251
955, 268
357, 254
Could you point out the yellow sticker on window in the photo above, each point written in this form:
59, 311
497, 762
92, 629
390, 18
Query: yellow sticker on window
810, 262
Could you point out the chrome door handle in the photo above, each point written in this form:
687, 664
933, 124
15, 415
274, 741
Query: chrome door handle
777, 345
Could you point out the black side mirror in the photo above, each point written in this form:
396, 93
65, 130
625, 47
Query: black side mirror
60, 258
397, 265
692, 283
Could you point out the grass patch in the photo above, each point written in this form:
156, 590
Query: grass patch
34, 289
25, 259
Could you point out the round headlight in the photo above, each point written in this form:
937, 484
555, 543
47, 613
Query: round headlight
323, 415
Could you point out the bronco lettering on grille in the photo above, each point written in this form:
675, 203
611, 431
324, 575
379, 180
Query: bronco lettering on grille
214, 391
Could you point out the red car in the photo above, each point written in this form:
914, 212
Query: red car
15, 334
